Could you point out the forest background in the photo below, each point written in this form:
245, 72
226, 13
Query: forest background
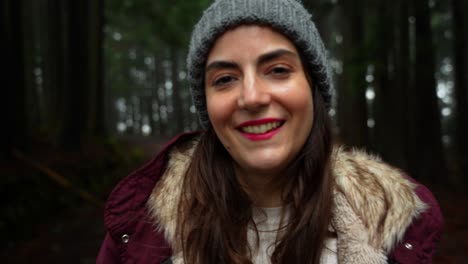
92, 88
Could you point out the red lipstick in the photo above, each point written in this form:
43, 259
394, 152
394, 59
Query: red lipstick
263, 136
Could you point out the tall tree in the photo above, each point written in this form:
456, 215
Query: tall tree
96, 84
402, 82
425, 144
77, 86
83, 95
159, 93
352, 105
32, 75
14, 132
391, 67
460, 25
52, 34
176, 91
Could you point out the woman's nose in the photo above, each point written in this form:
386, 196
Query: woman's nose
254, 94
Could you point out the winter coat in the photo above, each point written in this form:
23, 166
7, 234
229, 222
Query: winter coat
140, 212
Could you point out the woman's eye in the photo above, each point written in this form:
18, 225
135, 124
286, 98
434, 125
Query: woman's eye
280, 71
223, 80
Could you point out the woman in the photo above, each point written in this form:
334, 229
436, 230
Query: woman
264, 183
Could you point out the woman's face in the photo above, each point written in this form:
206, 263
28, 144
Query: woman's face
258, 99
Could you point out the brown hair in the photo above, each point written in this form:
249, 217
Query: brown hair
215, 211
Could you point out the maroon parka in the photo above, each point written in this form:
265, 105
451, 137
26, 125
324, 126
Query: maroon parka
132, 238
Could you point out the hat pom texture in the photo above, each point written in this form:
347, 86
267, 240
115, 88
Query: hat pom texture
287, 17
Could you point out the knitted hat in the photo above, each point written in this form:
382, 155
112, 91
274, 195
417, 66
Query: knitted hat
288, 17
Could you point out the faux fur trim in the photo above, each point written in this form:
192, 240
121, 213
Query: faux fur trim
380, 195
374, 204
164, 199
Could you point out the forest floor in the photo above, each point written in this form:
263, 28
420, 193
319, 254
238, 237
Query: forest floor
72, 231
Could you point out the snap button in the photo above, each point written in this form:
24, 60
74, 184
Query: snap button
125, 238
408, 246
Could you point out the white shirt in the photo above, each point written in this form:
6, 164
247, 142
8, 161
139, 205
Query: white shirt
268, 222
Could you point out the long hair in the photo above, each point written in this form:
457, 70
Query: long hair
214, 211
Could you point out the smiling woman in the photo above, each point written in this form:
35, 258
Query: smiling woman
259, 102
264, 183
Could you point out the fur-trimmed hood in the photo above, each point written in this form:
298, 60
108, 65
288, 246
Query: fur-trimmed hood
374, 203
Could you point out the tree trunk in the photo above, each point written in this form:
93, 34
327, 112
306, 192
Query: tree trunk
53, 65
402, 72
177, 102
77, 89
33, 100
461, 84
157, 80
81, 65
352, 105
426, 159
13, 134
97, 118
390, 86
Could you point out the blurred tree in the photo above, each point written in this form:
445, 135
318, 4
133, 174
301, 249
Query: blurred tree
176, 89
98, 95
402, 84
53, 64
76, 86
14, 130
33, 80
160, 94
391, 81
425, 139
352, 105
82, 55
151, 38
460, 30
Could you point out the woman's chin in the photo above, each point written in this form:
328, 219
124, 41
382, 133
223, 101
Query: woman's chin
264, 167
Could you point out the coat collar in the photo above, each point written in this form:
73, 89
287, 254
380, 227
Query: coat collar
374, 203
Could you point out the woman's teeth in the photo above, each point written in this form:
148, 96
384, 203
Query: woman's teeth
260, 129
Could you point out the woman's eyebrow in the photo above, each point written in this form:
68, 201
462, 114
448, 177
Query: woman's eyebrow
272, 55
264, 58
221, 65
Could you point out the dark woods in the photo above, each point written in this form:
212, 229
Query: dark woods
54, 72
399, 80
82, 76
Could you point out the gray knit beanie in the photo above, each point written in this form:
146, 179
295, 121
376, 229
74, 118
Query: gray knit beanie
288, 17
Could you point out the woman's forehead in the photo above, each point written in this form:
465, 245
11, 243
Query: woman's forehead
249, 41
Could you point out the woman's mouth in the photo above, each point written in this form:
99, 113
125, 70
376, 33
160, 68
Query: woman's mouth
260, 129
